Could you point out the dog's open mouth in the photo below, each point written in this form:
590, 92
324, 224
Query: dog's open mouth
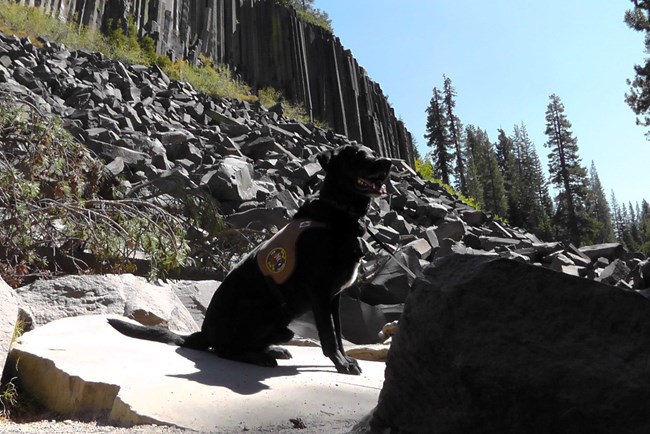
374, 187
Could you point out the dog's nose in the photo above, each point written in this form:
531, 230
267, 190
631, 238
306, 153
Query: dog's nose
384, 165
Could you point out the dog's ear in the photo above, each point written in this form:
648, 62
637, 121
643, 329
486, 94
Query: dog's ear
324, 159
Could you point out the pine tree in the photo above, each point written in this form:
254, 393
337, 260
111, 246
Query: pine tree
638, 99
531, 206
618, 224
540, 220
437, 135
485, 175
474, 186
455, 129
626, 237
644, 227
635, 236
494, 192
599, 209
567, 174
504, 149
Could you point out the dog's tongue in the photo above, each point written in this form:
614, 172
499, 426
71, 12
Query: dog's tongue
378, 186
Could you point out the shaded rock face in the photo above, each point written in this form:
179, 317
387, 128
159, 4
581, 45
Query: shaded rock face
267, 45
496, 346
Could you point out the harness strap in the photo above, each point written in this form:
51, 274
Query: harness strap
383, 245
276, 258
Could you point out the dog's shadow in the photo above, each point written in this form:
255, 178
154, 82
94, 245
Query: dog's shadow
241, 378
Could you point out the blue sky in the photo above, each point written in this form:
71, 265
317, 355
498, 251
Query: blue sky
505, 57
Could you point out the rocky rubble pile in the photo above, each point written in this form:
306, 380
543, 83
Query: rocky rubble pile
259, 166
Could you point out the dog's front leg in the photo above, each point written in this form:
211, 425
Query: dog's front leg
329, 328
336, 317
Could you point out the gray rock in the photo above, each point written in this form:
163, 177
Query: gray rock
615, 271
388, 283
8, 320
422, 248
453, 229
232, 180
127, 295
473, 217
610, 251
195, 296
361, 322
641, 275
496, 346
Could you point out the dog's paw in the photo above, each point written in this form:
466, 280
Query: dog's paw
346, 365
279, 353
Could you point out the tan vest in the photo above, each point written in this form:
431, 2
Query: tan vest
276, 258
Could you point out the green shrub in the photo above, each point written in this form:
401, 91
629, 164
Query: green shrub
52, 213
8, 399
122, 43
214, 80
269, 96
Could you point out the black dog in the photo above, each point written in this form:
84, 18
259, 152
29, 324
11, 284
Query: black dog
305, 266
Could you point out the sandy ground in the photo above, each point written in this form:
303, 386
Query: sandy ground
70, 426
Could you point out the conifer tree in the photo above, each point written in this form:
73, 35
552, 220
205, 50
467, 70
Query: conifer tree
635, 237
599, 209
485, 173
504, 149
455, 130
644, 227
617, 219
531, 204
474, 186
567, 174
540, 220
638, 18
494, 193
437, 135
626, 238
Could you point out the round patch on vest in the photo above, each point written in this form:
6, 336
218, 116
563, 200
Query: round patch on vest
276, 260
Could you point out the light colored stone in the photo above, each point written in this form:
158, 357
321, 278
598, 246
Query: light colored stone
195, 295
82, 366
124, 294
8, 319
373, 353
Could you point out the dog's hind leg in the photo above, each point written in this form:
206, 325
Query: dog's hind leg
279, 336
196, 341
255, 357
278, 352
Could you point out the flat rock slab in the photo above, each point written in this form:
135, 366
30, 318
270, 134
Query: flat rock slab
81, 366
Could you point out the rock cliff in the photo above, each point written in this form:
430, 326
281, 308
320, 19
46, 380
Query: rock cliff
265, 44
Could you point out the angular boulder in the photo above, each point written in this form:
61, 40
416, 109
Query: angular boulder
125, 294
8, 320
231, 180
497, 346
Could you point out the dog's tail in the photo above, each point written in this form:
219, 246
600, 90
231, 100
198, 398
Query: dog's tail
159, 334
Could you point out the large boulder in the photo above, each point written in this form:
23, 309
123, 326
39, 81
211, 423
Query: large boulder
231, 180
82, 367
195, 296
126, 294
8, 320
491, 345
